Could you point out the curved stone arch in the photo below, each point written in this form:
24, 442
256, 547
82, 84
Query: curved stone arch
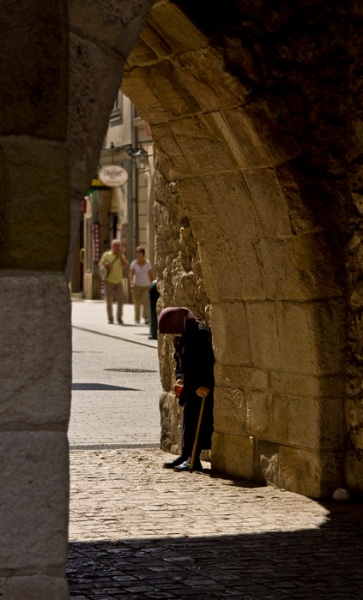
295, 73
268, 219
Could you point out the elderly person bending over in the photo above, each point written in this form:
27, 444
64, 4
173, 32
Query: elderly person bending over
194, 360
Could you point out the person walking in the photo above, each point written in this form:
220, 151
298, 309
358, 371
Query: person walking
141, 277
114, 262
194, 372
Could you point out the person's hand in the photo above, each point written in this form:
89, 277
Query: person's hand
178, 387
202, 391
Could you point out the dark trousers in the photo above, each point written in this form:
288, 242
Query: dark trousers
153, 298
190, 422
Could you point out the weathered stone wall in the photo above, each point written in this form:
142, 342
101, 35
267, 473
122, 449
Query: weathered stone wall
354, 261
180, 283
249, 110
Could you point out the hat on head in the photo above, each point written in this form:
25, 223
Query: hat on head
172, 319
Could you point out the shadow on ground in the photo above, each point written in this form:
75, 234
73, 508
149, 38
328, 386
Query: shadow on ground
298, 565
100, 387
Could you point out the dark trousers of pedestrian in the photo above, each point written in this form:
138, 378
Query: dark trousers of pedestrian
153, 298
116, 289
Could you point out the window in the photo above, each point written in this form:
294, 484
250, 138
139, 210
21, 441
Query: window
116, 113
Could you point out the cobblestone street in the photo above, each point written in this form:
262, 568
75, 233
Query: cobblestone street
138, 531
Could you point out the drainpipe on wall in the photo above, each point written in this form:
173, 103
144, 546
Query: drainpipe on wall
134, 182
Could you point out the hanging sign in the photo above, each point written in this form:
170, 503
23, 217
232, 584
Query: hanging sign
113, 175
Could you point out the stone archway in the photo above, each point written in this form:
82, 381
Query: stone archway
251, 126
248, 105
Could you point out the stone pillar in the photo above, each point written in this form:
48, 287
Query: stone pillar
35, 365
40, 66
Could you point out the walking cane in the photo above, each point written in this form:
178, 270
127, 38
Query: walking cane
197, 433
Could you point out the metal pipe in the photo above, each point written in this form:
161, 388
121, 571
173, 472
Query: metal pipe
134, 190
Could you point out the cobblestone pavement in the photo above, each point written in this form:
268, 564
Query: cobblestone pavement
138, 531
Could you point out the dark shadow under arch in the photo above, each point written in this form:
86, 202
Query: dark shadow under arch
317, 564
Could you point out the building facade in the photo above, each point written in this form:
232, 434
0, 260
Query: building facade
117, 204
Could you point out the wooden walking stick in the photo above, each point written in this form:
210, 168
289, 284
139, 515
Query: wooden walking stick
197, 433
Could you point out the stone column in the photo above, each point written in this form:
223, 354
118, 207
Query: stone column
40, 65
35, 364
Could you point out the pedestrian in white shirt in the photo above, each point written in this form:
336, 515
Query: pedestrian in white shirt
141, 277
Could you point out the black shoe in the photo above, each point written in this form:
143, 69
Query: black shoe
185, 466
120, 321
174, 463
110, 322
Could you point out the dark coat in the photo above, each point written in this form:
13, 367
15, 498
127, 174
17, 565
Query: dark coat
194, 363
